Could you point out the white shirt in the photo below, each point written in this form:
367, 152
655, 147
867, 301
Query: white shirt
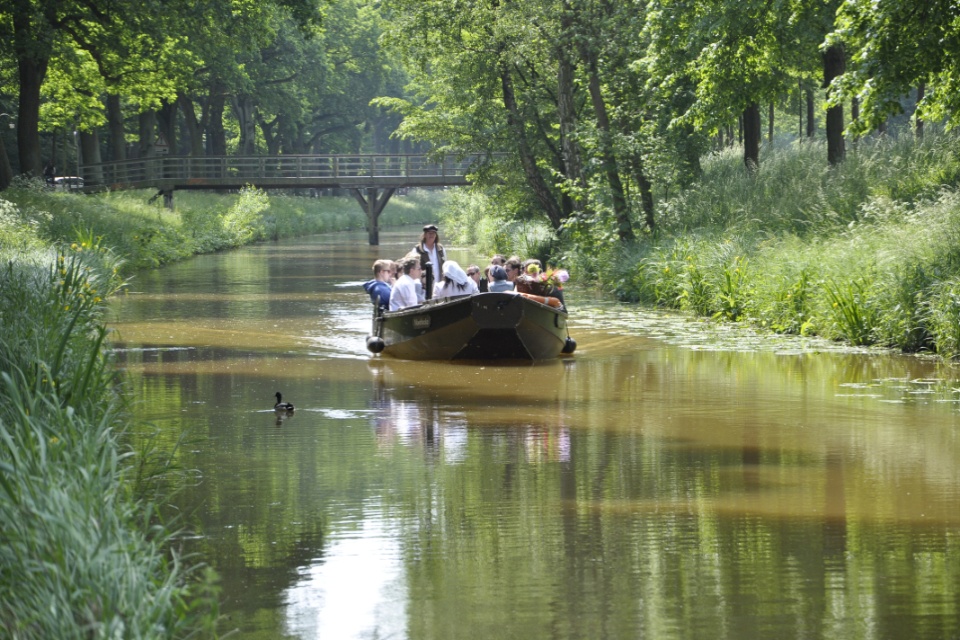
444, 289
434, 261
404, 293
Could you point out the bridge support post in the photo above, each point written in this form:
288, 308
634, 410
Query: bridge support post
373, 205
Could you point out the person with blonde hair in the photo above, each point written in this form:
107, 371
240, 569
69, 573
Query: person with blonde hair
379, 288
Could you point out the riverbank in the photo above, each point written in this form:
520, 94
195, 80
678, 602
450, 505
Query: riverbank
88, 548
148, 235
866, 252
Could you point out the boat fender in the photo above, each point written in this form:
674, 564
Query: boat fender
375, 344
569, 346
547, 300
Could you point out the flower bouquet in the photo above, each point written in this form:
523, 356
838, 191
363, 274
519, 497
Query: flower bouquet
541, 283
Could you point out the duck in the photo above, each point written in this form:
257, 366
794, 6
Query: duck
282, 406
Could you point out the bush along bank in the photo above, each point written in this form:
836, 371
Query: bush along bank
868, 253
84, 551
148, 235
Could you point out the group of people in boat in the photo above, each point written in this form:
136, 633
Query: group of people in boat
404, 283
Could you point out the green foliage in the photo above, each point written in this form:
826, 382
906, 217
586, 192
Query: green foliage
243, 222
80, 555
852, 310
470, 218
943, 308
148, 235
893, 46
830, 253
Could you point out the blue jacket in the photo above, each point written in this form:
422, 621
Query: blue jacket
379, 292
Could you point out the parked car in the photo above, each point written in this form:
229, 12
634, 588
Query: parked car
68, 183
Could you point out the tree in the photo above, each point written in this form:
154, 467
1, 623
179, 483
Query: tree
894, 46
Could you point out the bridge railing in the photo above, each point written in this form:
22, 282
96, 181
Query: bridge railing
295, 168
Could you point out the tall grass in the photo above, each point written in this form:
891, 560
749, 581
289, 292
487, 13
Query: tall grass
471, 217
81, 555
867, 252
148, 235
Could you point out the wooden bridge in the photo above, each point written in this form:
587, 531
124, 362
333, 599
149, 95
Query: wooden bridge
372, 179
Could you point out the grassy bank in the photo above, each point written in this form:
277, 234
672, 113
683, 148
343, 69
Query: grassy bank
85, 548
866, 252
84, 551
148, 235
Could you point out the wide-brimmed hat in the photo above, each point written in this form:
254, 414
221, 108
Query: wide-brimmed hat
430, 227
498, 272
455, 272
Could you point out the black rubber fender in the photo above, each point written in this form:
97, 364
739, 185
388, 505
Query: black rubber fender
375, 344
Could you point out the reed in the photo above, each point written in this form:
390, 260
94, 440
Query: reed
866, 252
81, 554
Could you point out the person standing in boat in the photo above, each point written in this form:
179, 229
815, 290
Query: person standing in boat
455, 282
430, 251
379, 288
404, 292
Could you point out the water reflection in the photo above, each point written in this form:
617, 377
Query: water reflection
674, 479
358, 591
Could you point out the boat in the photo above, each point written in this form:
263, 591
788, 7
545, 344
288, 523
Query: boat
482, 326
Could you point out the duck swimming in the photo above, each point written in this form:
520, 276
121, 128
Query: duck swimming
282, 406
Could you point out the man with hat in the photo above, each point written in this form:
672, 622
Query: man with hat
430, 251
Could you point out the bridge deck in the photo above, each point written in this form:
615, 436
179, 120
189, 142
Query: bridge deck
167, 173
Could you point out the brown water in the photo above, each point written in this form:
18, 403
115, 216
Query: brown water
673, 479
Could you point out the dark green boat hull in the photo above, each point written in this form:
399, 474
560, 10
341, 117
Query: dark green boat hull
484, 326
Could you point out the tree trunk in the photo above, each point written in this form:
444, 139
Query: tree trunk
244, 109
118, 138
646, 191
216, 135
811, 121
770, 131
752, 129
148, 128
271, 139
567, 114
32, 73
192, 125
833, 66
534, 179
167, 123
6, 171
921, 90
91, 172
800, 109
607, 156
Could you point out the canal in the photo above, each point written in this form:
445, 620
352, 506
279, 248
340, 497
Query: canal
673, 479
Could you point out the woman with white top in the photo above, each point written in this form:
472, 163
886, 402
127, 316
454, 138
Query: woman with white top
455, 282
